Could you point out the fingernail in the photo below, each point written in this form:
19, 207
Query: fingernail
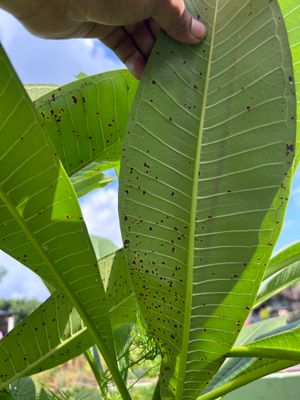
198, 29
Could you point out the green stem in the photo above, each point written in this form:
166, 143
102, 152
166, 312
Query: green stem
156, 394
97, 374
244, 380
258, 352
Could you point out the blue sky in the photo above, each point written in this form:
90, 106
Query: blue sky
47, 61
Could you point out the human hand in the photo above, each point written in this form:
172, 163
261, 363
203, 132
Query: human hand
128, 27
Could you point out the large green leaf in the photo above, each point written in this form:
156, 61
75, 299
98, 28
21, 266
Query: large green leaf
55, 333
204, 183
86, 119
40, 219
291, 13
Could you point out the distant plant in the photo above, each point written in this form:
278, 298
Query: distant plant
23, 308
208, 158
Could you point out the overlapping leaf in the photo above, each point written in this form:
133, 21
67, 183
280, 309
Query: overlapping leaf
205, 180
282, 259
282, 346
55, 333
91, 178
233, 366
291, 14
239, 371
277, 282
35, 91
86, 119
40, 219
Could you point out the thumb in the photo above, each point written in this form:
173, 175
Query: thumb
175, 19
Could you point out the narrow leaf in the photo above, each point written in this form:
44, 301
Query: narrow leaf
89, 179
233, 366
277, 282
283, 346
283, 259
207, 159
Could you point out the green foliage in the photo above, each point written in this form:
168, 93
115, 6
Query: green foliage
26, 388
206, 170
67, 336
207, 162
38, 202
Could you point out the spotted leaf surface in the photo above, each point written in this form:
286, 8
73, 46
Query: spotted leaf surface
35, 91
205, 179
291, 14
55, 333
86, 119
40, 219
233, 366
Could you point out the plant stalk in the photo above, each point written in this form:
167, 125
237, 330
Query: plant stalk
244, 380
97, 374
277, 354
156, 393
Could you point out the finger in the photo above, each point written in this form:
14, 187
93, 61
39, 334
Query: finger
142, 37
175, 19
154, 27
117, 39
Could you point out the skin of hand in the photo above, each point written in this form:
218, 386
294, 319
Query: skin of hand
128, 27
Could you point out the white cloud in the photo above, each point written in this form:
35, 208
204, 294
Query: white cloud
20, 282
100, 211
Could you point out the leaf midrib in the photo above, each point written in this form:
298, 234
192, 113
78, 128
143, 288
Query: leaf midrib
192, 225
27, 371
64, 285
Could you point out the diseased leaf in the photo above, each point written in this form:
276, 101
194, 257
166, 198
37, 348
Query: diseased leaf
291, 14
40, 219
35, 91
232, 366
55, 333
205, 178
86, 119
